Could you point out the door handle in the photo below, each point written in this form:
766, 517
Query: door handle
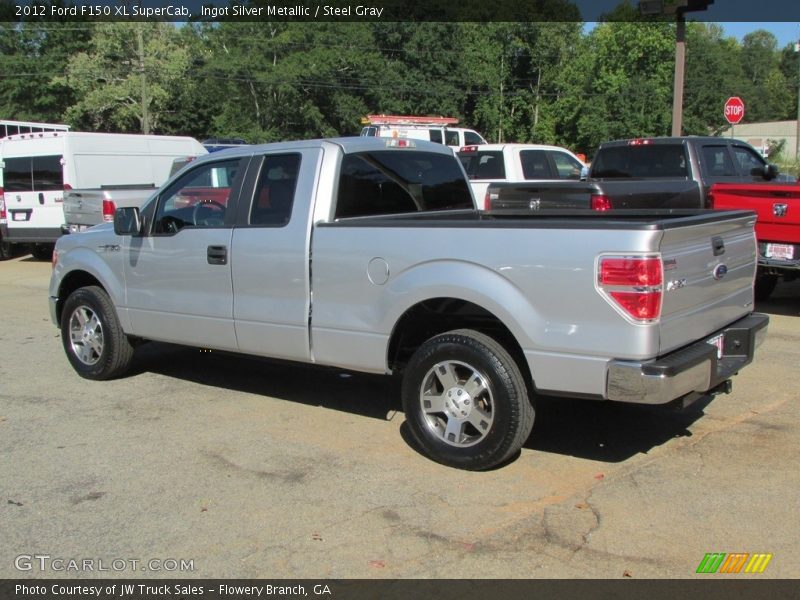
41, 198
217, 255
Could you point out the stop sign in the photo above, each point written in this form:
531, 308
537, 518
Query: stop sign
734, 110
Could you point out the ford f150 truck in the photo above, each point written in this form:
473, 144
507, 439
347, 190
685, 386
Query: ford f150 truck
368, 254
675, 172
777, 228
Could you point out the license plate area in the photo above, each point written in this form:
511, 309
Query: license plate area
779, 251
719, 342
21, 215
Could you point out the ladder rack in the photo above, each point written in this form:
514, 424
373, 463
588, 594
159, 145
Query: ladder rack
8, 128
407, 120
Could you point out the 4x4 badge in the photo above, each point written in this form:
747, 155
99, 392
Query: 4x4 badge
780, 210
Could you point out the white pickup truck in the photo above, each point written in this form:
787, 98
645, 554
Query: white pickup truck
368, 254
487, 164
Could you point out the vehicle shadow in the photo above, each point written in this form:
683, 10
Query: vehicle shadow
601, 431
373, 396
607, 431
784, 301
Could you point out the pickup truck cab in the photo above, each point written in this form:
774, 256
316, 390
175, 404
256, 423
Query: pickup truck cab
509, 163
674, 172
368, 254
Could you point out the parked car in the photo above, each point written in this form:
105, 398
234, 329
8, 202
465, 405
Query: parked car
496, 163
369, 254
675, 172
37, 170
434, 129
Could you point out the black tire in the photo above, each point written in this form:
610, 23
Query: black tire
42, 251
465, 400
765, 285
6, 250
93, 339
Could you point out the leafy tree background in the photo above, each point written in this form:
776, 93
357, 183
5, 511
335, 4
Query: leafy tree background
526, 82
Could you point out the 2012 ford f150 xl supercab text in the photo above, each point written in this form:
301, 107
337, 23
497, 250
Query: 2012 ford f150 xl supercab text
368, 254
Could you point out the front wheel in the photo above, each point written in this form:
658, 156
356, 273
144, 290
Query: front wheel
92, 337
465, 400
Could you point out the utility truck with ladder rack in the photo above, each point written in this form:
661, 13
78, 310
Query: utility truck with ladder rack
429, 128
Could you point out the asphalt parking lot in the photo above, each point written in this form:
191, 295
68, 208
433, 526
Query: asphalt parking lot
212, 466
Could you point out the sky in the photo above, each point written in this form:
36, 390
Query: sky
786, 32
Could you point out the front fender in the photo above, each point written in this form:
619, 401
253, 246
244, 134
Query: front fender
104, 265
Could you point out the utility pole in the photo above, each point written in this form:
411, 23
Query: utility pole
797, 133
680, 63
145, 115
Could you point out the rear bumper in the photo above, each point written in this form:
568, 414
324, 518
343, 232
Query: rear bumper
30, 235
695, 368
769, 264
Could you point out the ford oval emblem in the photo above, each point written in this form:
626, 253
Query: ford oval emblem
720, 271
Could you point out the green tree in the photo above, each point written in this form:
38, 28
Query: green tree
623, 85
31, 54
125, 80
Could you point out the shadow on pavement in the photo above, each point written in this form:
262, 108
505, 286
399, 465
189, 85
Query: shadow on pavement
607, 431
372, 396
602, 431
784, 301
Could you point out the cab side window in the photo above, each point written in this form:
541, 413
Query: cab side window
198, 199
717, 161
274, 197
566, 166
749, 162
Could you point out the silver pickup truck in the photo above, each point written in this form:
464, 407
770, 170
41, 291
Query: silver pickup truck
368, 254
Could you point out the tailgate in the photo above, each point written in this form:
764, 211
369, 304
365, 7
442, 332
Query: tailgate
83, 207
708, 277
777, 207
516, 198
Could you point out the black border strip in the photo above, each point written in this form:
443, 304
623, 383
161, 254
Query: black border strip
376, 11
711, 587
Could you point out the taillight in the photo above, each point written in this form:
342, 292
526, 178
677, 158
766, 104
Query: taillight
67, 187
2, 205
108, 210
633, 284
600, 202
54, 258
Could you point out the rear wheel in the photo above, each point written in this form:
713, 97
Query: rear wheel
6, 251
465, 400
92, 337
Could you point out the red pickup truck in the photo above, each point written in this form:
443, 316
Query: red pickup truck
777, 227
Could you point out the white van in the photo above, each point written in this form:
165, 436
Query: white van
432, 129
36, 168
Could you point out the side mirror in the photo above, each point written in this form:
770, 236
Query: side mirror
127, 221
584, 173
770, 171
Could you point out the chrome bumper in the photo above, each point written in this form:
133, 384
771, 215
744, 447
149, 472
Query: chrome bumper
695, 368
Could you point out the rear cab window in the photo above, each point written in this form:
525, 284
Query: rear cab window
396, 182
483, 165
641, 161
